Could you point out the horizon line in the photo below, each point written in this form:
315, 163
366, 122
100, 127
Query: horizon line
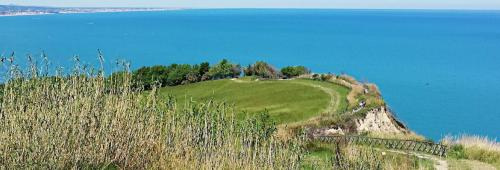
304, 8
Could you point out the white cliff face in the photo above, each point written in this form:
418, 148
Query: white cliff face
379, 120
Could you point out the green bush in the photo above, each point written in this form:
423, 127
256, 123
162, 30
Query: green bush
262, 69
457, 152
178, 74
224, 69
172, 75
326, 77
151, 76
294, 71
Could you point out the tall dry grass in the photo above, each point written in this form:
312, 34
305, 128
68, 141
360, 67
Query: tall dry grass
83, 120
474, 148
347, 157
473, 141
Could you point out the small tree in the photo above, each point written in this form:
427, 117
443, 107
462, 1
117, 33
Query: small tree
204, 68
236, 70
149, 76
248, 71
178, 74
294, 71
326, 77
261, 69
224, 69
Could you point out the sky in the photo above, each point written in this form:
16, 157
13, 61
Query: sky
356, 4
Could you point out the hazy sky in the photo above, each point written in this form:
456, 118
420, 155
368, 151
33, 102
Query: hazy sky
385, 4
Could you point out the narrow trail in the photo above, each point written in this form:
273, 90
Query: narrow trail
439, 164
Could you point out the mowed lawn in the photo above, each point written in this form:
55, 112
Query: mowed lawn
286, 101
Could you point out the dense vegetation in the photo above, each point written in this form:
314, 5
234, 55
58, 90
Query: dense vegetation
294, 71
474, 148
263, 70
88, 122
179, 74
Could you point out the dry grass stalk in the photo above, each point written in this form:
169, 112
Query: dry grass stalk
84, 120
469, 141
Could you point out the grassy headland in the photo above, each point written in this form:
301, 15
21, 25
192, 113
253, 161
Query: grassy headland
287, 101
192, 117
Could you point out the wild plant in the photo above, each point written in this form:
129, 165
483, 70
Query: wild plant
85, 120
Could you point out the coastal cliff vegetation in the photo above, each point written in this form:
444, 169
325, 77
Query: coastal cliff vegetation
202, 116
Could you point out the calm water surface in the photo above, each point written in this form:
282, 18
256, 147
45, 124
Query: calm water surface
439, 70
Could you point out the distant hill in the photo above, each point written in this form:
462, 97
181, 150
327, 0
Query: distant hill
14, 10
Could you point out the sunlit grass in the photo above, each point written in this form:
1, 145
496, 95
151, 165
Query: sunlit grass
83, 121
286, 101
474, 148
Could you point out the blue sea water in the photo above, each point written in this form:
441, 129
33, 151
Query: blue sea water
438, 70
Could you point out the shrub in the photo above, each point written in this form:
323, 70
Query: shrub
457, 152
294, 71
261, 69
172, 75
204, 68
179, 73
326, 77
224, 69
316, 77
151, 76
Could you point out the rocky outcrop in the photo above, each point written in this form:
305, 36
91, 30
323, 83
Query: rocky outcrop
380, 120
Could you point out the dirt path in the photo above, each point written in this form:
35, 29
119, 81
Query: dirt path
439, 164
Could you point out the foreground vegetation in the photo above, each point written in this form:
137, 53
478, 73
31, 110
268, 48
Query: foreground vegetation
85, 120
476, 148
75, 121
354, 157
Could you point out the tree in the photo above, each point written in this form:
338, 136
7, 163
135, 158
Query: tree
223, 69
248, 71
204, 68
150, 76
294, 71
261, 69
236, 70
178, 74
194, 74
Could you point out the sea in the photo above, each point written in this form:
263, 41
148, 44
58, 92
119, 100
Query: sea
438, 70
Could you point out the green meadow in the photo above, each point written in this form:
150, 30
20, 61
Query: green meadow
286, 101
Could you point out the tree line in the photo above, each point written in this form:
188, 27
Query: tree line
179, 74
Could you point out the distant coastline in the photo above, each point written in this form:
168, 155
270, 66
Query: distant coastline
13, 10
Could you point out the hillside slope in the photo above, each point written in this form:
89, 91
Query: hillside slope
324, 106
287, 101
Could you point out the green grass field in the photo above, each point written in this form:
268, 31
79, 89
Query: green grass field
287, 101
